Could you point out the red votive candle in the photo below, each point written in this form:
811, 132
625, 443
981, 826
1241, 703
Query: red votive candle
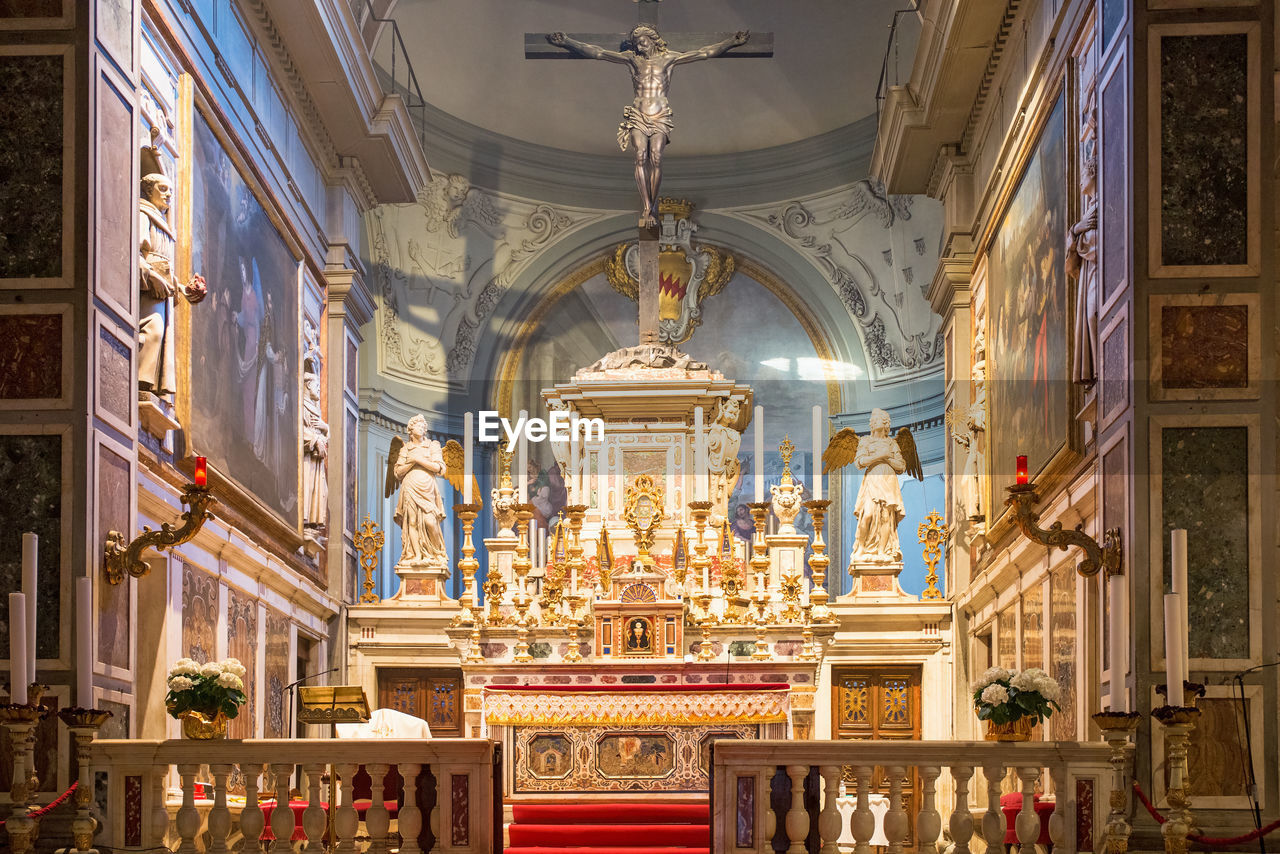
1022, 470
202, 472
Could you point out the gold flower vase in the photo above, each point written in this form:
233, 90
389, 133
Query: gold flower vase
198, 726
1015, 730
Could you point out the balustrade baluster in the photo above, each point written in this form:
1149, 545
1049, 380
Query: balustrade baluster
219, 815
1061, 831
159, 814
281, 813
993, 820
896, 824
928, 820
377, 820
434, 818
829, 819
346, 821
1027, 824
764, 842
410, 815
797, 817
188, 819
313, 817
863, 823
961, 822
252, 820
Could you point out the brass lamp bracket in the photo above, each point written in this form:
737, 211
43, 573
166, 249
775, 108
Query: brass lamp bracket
120, 559
1108, 556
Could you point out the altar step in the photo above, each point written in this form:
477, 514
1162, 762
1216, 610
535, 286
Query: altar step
621, 827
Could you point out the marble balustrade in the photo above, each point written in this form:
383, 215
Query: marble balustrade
149, 806
747, 812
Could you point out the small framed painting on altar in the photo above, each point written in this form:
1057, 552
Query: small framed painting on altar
638, 636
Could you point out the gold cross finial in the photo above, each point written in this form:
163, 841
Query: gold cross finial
786, 449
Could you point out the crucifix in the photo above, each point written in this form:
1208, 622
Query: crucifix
647, 121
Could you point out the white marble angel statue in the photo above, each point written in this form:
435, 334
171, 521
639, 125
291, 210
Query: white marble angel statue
733, 414
879, 507
414, 465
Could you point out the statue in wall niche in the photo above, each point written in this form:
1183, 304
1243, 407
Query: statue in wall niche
1082, 250
315, 450
647, 121
414, 465
879, 507
972, 437
732, 416
157, 280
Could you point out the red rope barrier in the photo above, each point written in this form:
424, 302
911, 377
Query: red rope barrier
1206, 840
52, 805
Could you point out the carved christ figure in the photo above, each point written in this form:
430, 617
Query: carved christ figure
647, 121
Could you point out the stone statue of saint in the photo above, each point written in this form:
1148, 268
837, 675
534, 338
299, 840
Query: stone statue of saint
723, 440
156, 276
647, 121
1082, 252
415, 465
879, 507
973, 438
315, 450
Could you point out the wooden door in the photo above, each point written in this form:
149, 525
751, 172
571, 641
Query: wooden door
433, 694
881, 702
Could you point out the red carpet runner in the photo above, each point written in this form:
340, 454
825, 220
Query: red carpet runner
627, 827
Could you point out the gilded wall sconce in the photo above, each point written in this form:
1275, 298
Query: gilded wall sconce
120, 559
1108, 555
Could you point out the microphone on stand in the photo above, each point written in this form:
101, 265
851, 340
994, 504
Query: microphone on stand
1252, 781
295, 683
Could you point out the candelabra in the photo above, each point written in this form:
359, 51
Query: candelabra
20, 720
1116, 727
760, 567
521, 566
818, 562
83, 725
1178, 722
467, 564
705, 621
1109, 555
701, 562
808, 651
575, 513
120, 559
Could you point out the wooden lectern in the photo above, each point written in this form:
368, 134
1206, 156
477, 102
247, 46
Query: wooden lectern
332, 704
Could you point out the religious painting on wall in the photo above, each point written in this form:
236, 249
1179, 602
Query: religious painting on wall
1029, 384
244, 389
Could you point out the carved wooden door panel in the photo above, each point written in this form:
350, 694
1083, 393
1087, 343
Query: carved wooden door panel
433, 694
883, 703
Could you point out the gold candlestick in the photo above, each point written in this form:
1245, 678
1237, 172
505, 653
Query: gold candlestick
474, 655
521, 566
818, 562
1178, 722
83, 725
760, 566
21, 721
1116, 727
701, 561
704, 620
467, 565
808, 651
575, 513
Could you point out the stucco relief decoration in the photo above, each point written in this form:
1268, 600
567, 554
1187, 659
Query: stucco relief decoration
442, 264
870, 246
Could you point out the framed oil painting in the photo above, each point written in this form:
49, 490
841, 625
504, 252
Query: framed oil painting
1029, 384
244, 387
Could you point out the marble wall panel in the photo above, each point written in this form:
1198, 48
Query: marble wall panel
30, 356
114, 377
1204, 133
31, 104
30, 8
1205, 489
32, 467
117, 202
199, 615
1063, 650
1113, 180
1115, 504
1007, 638
1204, 346
351, 477
275, 674
1215, 750
242, 643
1112, 15
115, 30
1115, 369
114, 498
1033, 626
117, 726
353, 383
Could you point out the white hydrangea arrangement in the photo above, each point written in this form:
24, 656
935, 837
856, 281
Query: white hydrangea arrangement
1004, 696
205, 688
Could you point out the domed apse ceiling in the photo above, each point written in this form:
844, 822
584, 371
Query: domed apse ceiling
469, 58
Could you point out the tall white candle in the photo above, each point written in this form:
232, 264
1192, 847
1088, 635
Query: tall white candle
1118, 641
758, 462
1178, 583
699, 457
468, 463
522, 462
17, 648
30, 589
816, 486
1175, 666
84, 642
